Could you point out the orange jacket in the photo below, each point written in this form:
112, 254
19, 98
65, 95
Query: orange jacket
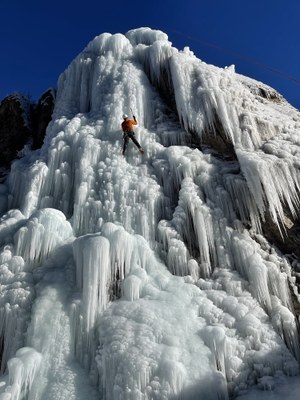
127, 125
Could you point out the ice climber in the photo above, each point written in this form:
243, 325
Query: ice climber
127, 127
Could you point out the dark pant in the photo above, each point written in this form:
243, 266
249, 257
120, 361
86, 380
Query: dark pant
126, 137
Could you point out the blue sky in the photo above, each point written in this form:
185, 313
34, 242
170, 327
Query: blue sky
40, 39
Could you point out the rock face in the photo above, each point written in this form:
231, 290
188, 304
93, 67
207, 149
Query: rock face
21, 122
15, 128
41, 117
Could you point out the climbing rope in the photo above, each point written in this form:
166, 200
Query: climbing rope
247, 59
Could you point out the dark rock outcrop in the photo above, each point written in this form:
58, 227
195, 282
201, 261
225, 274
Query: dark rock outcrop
41, 117
22, 122
15, 127
288, 239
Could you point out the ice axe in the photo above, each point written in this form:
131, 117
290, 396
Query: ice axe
132, 113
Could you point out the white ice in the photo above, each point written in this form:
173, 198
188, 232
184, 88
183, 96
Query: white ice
148, 277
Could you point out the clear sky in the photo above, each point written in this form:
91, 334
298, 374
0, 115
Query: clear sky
39, 39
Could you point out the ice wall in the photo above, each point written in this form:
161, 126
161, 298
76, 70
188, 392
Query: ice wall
147, 277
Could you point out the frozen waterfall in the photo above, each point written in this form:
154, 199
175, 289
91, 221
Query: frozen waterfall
148, 277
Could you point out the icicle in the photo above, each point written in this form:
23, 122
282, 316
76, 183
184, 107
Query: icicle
271, 182
93, 275
258, 279
286, 325
16, 296
131, 288
215, 339
43, 232
22, 370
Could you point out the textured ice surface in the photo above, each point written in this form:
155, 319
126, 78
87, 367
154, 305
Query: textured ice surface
147, 277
